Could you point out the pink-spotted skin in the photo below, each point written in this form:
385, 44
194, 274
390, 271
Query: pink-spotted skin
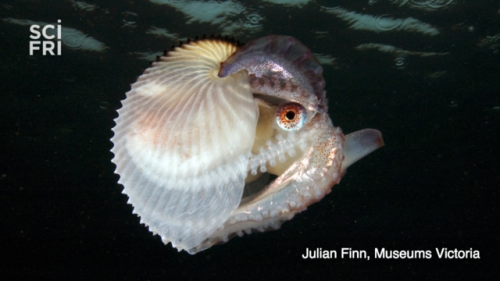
283, 67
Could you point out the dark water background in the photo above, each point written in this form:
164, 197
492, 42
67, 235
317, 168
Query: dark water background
434, 184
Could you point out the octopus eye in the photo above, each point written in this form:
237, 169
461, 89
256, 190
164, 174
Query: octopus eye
291, 116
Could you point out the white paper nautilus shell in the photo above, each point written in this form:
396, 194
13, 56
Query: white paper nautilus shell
216, 139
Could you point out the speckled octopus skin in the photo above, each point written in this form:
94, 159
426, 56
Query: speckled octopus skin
307, 181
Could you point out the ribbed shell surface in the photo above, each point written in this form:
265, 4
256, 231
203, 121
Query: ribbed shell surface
182, 141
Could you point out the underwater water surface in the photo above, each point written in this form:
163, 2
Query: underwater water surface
426, 73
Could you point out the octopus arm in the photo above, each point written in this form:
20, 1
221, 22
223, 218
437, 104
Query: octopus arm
359, 144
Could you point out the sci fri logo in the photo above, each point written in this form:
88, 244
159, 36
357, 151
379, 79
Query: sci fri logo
48, 33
